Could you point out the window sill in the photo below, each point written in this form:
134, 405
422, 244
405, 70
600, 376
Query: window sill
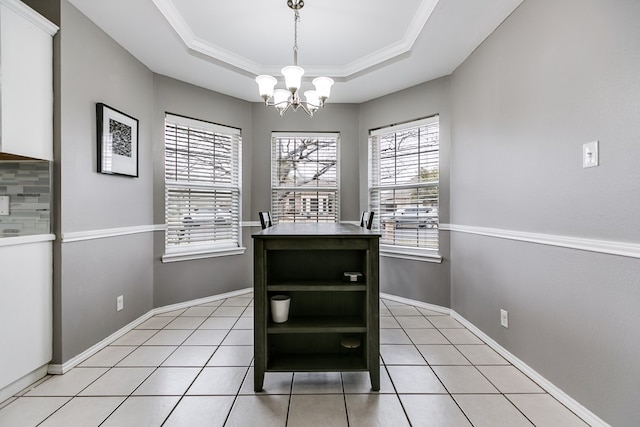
209, 253
413, 254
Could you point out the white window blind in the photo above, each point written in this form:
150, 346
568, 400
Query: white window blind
403, 183
202, 185
304, 177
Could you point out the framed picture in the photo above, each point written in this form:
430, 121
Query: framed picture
117, 142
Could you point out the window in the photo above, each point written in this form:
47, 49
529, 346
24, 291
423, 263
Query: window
403, 185
304, 177
202, 188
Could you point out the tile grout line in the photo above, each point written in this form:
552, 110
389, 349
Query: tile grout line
246, 374
430, 367
159, 365
344, 399
474, 365
205, 364
217, 348
404, 410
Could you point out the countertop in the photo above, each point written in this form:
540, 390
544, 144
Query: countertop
330, 229
22, 240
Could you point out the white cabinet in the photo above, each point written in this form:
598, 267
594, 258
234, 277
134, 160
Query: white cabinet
26, 311
26, 81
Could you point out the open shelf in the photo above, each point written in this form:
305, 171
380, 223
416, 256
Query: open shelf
328, 362
319, 324
317, 286
318, 266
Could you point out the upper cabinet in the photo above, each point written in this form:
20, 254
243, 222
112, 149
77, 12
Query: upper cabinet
26, 82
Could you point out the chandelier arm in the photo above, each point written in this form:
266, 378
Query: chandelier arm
306, 109
284, 111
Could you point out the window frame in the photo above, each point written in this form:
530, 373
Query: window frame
206, 248
418, 253
275, 211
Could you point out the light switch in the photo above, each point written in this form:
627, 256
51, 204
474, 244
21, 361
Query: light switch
4, 205
590, 154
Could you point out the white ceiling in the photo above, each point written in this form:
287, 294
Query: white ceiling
369, 47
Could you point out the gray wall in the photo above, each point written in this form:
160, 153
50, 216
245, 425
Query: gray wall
418, 280
554, 76
513, 120
187, 280
89, 275
93, 68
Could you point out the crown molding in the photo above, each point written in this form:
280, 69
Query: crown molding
177, 22
31, 15
393, 50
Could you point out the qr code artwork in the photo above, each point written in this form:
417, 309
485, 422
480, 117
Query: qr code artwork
120, 137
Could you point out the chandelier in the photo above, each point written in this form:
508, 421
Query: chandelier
285, 99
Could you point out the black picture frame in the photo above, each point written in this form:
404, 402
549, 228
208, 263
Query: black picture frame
117, 142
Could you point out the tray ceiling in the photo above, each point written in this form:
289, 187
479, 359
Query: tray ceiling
370, 47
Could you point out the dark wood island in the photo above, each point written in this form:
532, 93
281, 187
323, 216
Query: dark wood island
334, 319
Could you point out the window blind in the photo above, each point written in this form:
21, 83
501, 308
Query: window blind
202, 185
304, 177
403, 183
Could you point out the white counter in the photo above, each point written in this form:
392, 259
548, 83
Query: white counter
21, 240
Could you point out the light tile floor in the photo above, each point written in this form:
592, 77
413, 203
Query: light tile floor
192, 367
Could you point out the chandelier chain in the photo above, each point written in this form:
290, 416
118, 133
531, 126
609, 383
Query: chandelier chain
296, 19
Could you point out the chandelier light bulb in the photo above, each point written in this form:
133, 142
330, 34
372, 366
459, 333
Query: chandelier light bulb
265, 86
313, 103
281, 98
323, 86
293, 77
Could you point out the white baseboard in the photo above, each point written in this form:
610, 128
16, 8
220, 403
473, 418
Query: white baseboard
187, 304
57, 369
425, 305
582, 412
22, 383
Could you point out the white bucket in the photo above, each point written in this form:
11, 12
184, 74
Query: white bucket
280, 308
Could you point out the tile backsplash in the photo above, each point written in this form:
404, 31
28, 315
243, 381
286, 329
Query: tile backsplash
28, 185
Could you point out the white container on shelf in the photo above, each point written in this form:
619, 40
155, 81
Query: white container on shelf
280, 308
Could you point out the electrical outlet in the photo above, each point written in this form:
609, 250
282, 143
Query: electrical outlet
4, 205
590, 154
504, 318
120, 303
